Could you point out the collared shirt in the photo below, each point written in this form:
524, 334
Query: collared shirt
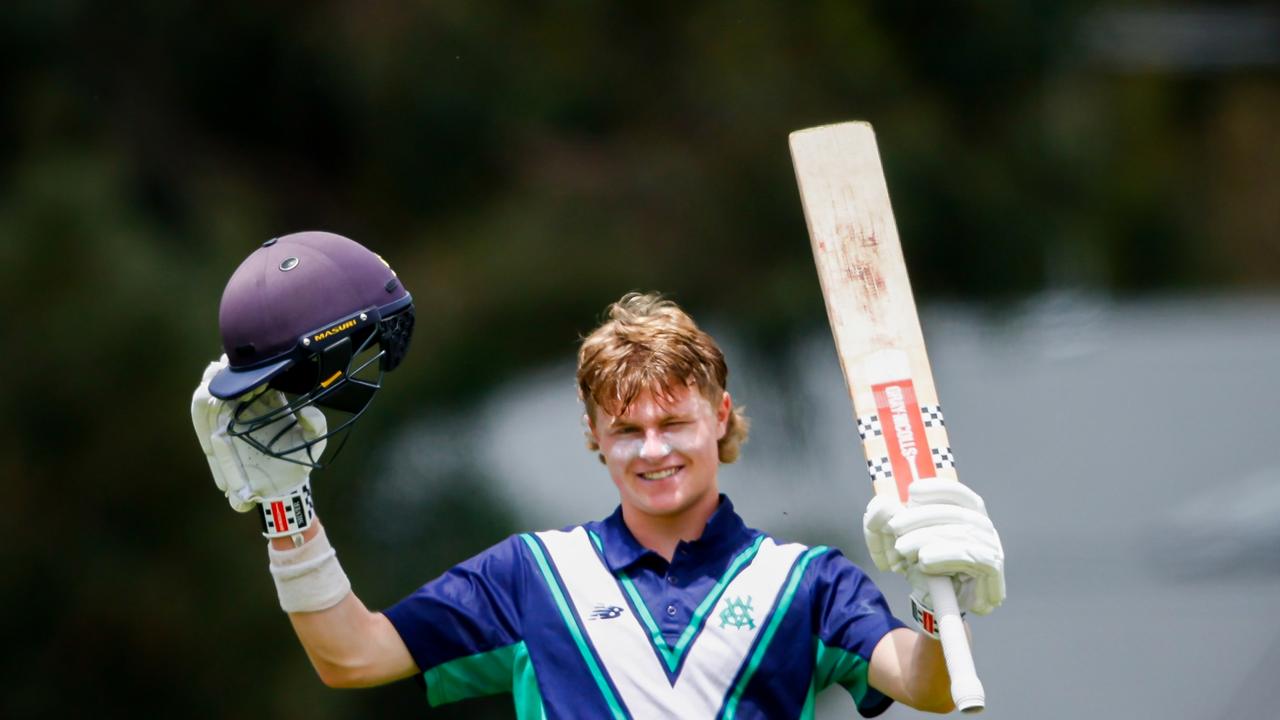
587, 623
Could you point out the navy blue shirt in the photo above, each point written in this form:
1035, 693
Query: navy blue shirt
587, 623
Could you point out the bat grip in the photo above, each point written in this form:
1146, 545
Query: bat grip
966, 688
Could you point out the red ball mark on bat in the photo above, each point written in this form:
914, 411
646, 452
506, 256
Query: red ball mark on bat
868, 283
870, 276
867, 277
858, 252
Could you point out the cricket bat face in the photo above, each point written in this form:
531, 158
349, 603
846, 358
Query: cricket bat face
878, 339
870, 305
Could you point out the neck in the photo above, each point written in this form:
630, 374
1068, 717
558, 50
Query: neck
662, 534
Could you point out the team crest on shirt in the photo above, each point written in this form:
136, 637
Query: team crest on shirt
605, 612
737, 613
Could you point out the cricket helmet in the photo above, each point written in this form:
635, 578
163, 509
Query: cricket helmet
318, 317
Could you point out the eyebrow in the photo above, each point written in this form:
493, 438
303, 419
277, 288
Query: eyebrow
618, 424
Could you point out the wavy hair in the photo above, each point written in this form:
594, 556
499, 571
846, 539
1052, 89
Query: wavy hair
649, 343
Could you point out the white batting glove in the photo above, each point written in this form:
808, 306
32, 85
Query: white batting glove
243, 473
942, 530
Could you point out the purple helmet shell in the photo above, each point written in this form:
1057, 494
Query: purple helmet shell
293, 288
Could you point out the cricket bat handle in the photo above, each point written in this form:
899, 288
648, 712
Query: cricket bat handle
966, 688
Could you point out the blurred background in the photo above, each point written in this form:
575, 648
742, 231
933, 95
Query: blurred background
1089, 198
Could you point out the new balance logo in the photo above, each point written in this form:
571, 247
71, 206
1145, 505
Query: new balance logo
605, 612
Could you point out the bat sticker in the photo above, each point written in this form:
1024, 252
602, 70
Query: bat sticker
903, 427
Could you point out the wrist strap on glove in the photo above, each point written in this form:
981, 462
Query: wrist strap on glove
288, 515
922, 613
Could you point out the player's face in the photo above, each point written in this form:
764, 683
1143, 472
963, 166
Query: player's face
663, 454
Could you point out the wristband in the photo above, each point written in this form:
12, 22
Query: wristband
288, 515
308, 578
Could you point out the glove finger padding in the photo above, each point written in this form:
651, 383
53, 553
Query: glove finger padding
235, 480
979, 595
942, 549
290, 429
209, 417
936, 491
200, 406
915, 517
990, 593
880, 539
976, 560
944, 530
883, 554
245, 474
313, 425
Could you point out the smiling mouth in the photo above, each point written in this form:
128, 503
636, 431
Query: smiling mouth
661, 474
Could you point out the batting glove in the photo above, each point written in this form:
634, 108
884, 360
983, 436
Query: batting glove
247, 476
942, 530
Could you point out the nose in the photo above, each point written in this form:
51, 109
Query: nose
655, 447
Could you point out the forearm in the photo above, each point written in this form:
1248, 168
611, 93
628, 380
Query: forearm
348, 645
908, 666
928, 682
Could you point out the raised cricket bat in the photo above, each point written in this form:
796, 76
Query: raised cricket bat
877, 333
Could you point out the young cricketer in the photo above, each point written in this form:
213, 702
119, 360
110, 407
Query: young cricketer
670, 607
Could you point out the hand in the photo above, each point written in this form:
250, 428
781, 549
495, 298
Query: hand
243, 473
942, 530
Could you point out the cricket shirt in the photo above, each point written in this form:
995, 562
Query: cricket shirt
587, 623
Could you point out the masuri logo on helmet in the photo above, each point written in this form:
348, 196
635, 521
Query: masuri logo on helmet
324, 334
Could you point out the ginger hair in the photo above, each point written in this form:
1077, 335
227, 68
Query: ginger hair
649, 343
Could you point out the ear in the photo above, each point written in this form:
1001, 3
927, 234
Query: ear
722, 415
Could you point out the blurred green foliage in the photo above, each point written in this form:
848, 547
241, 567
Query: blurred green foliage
520, 165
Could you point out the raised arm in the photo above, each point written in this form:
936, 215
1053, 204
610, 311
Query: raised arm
348, 645
942, 531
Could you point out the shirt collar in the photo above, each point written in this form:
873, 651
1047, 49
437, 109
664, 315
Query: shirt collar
724, 533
